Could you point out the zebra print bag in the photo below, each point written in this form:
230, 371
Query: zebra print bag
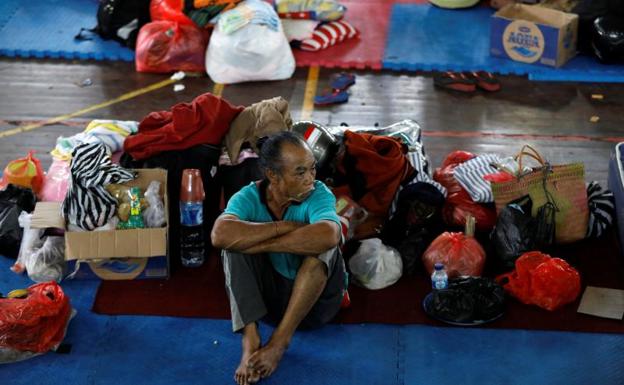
87, 204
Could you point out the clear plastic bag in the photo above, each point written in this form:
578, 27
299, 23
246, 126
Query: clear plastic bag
376, 265
154, 214
48, 262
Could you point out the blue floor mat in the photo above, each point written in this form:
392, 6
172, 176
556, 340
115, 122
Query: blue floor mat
166, 350
46, 29
422, 37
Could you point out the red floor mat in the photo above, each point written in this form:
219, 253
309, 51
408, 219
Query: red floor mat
371, 18
200, 293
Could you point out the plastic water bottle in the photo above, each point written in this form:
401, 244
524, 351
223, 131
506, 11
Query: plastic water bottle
439, 278
192, 218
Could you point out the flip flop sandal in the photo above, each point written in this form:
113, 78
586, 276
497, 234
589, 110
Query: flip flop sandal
454, 81
341, 81
335, 97
484, 80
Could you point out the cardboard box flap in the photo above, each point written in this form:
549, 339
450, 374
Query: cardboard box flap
47, 214
140, 243
536, 14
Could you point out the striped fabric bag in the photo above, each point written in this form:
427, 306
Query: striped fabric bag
562, 187
329, 34
87, 204
601, 210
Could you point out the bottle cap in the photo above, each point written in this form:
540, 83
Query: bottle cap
438, 266
192, 187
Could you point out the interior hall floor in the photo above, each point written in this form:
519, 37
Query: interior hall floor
556, 118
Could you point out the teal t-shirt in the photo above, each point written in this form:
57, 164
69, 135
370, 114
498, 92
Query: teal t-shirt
248, 205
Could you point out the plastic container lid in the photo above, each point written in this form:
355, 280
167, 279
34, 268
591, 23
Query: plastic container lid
438, 266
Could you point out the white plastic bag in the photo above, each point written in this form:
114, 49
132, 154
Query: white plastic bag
154, 215
31, 241
376, 265
253, 53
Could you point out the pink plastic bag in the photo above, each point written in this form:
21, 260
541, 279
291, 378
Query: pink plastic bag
167, 46
55, 182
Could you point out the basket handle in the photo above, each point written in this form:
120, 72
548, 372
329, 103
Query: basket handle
529, 151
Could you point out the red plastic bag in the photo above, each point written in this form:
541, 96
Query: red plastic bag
542, 280
167, 46
459, 205
169, 10
35, 323
24, 172
460, 253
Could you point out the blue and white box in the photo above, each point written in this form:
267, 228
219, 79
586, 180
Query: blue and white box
534, 35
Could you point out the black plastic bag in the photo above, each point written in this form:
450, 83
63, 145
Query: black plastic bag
468, 300
13, 200
514, 233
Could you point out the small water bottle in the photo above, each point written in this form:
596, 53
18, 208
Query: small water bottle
192, 219
439, 278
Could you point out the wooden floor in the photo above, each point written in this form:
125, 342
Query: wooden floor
555, 117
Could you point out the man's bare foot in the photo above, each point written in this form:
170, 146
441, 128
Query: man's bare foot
244, 374
265, 360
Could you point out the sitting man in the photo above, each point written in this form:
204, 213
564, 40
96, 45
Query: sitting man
279, 238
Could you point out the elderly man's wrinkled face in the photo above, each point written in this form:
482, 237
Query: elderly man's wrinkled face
296, 180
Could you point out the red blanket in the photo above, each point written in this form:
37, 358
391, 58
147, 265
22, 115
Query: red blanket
205, 120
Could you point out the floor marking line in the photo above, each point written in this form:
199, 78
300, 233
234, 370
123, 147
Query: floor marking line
309, 93
57, 119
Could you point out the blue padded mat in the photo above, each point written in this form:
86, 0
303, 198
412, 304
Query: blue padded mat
422, 37
167, 350
46, 29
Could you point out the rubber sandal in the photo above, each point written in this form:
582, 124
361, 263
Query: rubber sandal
341, 81
484, 80
454, 81
335, 97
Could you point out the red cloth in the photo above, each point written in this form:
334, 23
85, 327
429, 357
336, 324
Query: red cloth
205, 120
382, 162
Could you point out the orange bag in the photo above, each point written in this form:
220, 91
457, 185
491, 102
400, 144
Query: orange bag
24, 172
542, 280
35, 323
169, 10
460, 253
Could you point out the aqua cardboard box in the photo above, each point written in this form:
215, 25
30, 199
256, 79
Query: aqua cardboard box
114, 254
533, 34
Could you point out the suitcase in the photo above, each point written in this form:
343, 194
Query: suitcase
616, 185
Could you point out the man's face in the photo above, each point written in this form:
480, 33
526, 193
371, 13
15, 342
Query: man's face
296, 180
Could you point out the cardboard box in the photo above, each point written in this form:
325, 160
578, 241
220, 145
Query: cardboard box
115, 254
532, 34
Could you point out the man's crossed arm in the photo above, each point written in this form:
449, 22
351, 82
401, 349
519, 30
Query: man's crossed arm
231, 233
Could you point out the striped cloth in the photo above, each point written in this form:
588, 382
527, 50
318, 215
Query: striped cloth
470, 176
329, 34
419, 161
87, 204
601, 209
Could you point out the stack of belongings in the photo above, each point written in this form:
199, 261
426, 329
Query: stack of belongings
211, 135
313, 25
383, 187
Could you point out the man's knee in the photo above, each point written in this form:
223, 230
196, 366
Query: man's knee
314, 266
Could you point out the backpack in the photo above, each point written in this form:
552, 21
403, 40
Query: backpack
119, 20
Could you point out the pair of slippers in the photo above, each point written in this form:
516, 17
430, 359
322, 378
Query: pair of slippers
339, 84
467, 81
